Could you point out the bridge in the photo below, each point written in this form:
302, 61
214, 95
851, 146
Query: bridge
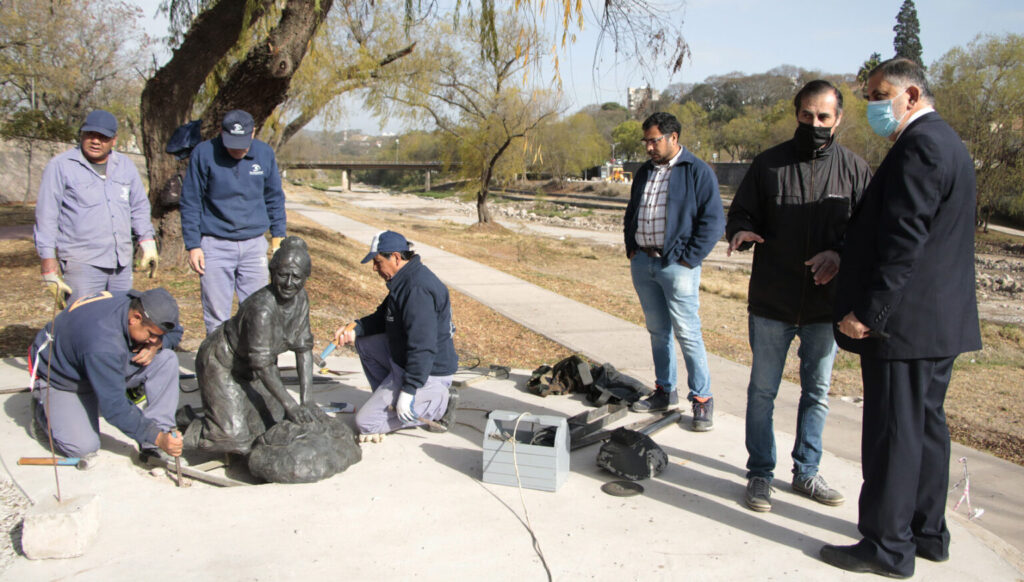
348, 167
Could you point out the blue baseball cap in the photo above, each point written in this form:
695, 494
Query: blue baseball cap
159, 307
386, 241
100, 121
236, 130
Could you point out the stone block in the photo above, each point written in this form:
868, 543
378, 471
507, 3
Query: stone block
60, 530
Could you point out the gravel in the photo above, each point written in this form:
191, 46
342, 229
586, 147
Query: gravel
13, 505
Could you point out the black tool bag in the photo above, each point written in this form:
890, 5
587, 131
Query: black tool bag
613, 387
631, 455
570, 375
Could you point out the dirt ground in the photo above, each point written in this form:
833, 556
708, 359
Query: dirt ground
983, 404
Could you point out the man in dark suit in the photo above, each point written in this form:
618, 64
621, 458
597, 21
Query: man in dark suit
906, 304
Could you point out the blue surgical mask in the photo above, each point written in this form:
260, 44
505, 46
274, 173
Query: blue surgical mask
881, 118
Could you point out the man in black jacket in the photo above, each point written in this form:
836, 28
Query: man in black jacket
793, 204
906, 303
405, 346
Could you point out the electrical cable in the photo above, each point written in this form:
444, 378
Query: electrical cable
522, 499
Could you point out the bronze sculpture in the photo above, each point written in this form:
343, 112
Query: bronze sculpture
243, 395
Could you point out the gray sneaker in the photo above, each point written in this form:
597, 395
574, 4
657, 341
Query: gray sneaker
657, 401
759, 494
817, 489
703, 415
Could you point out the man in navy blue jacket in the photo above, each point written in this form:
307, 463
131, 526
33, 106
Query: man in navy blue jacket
105, 343
673, 220
405, 346
230, 197
906, 304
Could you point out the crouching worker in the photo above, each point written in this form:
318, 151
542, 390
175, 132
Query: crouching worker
85, 360
405, 346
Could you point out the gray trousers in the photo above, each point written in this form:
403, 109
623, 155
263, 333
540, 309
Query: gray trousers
232, 267
386, 379
86, 279
75, 418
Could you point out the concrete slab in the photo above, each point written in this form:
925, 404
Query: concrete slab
995, 483
415, 507
60, 529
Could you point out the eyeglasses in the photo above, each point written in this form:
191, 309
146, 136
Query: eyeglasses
653, 140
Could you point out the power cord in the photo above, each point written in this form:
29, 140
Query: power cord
522, 498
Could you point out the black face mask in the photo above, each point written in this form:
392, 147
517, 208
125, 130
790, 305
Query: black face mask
809, 138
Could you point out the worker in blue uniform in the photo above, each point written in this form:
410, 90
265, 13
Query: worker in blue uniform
230, 197
90, 201
84, 360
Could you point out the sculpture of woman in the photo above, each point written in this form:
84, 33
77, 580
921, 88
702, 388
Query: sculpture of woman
241, 387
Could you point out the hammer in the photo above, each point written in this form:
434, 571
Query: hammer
319, 360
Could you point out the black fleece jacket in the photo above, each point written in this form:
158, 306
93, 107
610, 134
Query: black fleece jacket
799, 202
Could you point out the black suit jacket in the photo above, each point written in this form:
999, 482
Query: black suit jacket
908, 265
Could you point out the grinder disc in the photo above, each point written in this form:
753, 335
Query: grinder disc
622, 488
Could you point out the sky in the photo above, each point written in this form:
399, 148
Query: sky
748, 36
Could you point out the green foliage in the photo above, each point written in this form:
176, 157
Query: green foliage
626, 136
866, 67
567, 147
612, 106
65, 59
907, 42
980, 92
35, 124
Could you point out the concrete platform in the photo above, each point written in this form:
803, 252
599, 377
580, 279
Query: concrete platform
995, 484
415, 508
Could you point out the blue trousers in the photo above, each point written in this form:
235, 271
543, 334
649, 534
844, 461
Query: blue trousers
386, 379
75, 417
769, 342
670, 299
905, 460
85, 279
233, 267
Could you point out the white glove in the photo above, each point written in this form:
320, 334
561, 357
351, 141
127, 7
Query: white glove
150, 259
404, 408
58, 288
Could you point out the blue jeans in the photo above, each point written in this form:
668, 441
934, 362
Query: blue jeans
769, 342
670, 299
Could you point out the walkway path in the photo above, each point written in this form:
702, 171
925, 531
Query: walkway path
995, 485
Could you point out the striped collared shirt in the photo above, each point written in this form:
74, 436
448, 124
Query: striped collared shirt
650, 224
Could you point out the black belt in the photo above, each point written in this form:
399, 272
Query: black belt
653, 252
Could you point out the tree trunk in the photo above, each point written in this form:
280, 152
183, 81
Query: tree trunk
483, 213
257, 84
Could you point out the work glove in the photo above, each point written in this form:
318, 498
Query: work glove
58, 288
404, 407
275, 243
150, 259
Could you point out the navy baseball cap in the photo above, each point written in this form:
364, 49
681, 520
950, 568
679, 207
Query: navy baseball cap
158, 306
102, 122
386, 241
236, 130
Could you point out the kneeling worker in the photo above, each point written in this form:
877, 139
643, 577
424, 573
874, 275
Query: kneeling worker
104, 344
405, 346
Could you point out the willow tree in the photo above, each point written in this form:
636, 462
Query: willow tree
234, 54
980, 91
473, 90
